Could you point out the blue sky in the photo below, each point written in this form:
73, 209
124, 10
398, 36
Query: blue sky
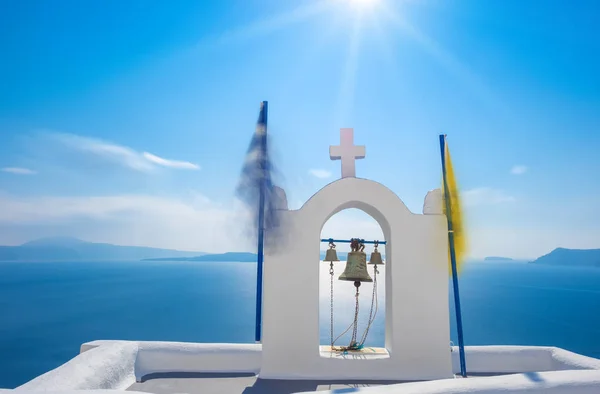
128, 122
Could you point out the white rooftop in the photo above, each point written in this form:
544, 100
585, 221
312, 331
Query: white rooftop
168, 367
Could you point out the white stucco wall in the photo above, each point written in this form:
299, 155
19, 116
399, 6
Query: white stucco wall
119, 364
417, 317
516, 359
104, 367
154, 357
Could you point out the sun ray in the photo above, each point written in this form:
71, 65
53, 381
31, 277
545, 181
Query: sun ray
269, 25
312, 56
383, 40
345, 101
445, 58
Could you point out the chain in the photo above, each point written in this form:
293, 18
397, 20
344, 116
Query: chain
333, 341
331, 287
374, 307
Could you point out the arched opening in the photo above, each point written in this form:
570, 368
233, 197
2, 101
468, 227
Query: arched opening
370, 334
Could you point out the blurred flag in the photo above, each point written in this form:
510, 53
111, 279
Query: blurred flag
456, 240
256, 188
455, 215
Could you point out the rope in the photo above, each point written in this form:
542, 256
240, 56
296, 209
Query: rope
355, 329
343, 333
353, 344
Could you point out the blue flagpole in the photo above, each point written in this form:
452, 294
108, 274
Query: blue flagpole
261, 231
459, 328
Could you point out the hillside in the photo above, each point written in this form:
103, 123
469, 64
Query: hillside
571, 257
233, 257
73, 249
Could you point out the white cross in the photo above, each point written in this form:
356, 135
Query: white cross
347, 152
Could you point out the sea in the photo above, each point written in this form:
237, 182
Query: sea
47, 310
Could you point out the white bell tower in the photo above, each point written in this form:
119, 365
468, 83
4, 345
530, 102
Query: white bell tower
417, 339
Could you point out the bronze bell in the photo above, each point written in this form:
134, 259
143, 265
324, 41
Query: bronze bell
356, 266
376, 256
331, 254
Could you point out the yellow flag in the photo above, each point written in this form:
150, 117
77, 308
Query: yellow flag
455, 215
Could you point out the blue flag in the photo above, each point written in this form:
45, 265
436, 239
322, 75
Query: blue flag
256, 189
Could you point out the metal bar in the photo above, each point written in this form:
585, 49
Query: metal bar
261, 234
459, 328
347, 241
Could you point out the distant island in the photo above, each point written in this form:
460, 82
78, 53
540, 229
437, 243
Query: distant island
496, 258
571, 257
72, 249
242, 257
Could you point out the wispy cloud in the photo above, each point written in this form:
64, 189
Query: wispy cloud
518, 170
486, 196
18, 171
119, 154
190, 222
186, 165
320, 173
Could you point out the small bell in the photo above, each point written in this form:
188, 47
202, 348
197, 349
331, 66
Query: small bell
376, 256
356, 266
331, 254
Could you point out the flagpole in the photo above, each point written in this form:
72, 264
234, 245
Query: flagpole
459, 328
261, 231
